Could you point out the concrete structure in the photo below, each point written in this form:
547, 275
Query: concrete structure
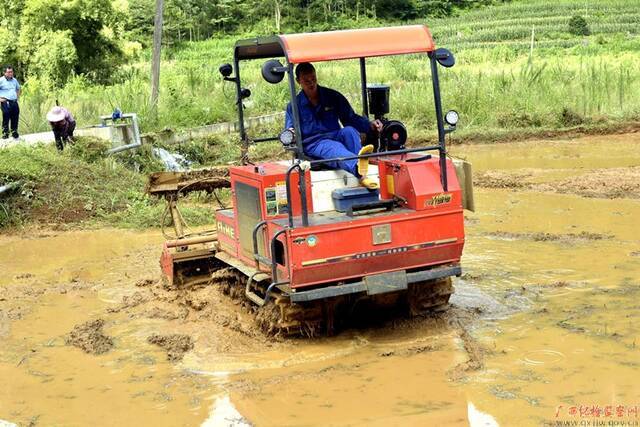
119, 137
47, 137
203, 131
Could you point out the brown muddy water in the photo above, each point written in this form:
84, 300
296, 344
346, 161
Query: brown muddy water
543, 328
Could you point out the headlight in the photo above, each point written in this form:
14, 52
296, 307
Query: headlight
451, 117
287, 137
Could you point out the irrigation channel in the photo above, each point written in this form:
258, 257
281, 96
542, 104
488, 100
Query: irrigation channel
543, 328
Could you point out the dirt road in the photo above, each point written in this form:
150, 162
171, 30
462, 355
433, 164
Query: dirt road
543, 327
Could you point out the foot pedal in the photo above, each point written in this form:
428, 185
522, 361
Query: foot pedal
382, 205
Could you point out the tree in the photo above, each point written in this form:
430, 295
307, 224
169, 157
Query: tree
8, 53
578, 26
10, 14
396, 9
277, 12
90, 25
54, 57
139, 25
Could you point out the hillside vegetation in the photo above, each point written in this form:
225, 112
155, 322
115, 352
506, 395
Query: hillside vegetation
572, 77
499, 82
83, 185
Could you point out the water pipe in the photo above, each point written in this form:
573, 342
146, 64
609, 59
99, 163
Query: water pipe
136, 131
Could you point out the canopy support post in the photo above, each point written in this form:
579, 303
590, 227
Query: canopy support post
296, 113
363, 79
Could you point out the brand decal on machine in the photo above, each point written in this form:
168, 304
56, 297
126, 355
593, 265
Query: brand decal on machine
439, 199
381, 252
276, 199
225, 229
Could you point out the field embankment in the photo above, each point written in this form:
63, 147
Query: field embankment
82, 186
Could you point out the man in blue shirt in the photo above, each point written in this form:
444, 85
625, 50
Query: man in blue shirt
321, 111
9, 93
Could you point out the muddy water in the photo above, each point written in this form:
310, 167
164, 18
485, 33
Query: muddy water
51, 283
544, 321
575, 261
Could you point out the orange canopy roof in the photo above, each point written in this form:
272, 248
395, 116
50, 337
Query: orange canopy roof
345, 44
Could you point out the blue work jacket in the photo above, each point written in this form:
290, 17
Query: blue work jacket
324, 119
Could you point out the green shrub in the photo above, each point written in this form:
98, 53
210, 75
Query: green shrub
568, 117
140, 160
578, 26
89, 149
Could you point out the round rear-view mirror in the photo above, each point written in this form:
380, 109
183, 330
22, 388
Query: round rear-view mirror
445, 57
273, 71
225, 70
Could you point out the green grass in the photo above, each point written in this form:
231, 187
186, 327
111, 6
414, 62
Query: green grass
495, 84
81, 186
499, 86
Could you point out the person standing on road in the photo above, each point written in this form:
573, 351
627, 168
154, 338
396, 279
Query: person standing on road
9, 94
62, 124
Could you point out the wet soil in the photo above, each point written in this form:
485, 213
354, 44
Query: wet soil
90, 338
549, 237
544, 319
176, 345
600, 183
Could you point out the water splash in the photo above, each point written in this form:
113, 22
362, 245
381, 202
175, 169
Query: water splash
172, 161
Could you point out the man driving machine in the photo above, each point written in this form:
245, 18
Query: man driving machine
322, 111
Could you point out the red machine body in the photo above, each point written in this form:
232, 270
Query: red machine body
308, 244
425, 228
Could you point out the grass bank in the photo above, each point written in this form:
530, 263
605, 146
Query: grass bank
83, 187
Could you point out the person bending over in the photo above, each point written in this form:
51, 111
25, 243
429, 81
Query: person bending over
321, 111
62, 124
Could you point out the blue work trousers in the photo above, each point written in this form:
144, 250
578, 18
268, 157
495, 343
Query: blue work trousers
10, 114
341, 143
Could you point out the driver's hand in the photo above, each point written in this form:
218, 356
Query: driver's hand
377, 125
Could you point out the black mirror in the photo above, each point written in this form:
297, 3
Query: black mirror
445, 58
225, 70
273, 71
245, 93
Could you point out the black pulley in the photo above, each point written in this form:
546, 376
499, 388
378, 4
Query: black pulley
393, 136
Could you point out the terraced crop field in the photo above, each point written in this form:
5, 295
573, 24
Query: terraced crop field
511, 24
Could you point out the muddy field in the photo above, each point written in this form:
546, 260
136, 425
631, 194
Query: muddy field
543, 328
